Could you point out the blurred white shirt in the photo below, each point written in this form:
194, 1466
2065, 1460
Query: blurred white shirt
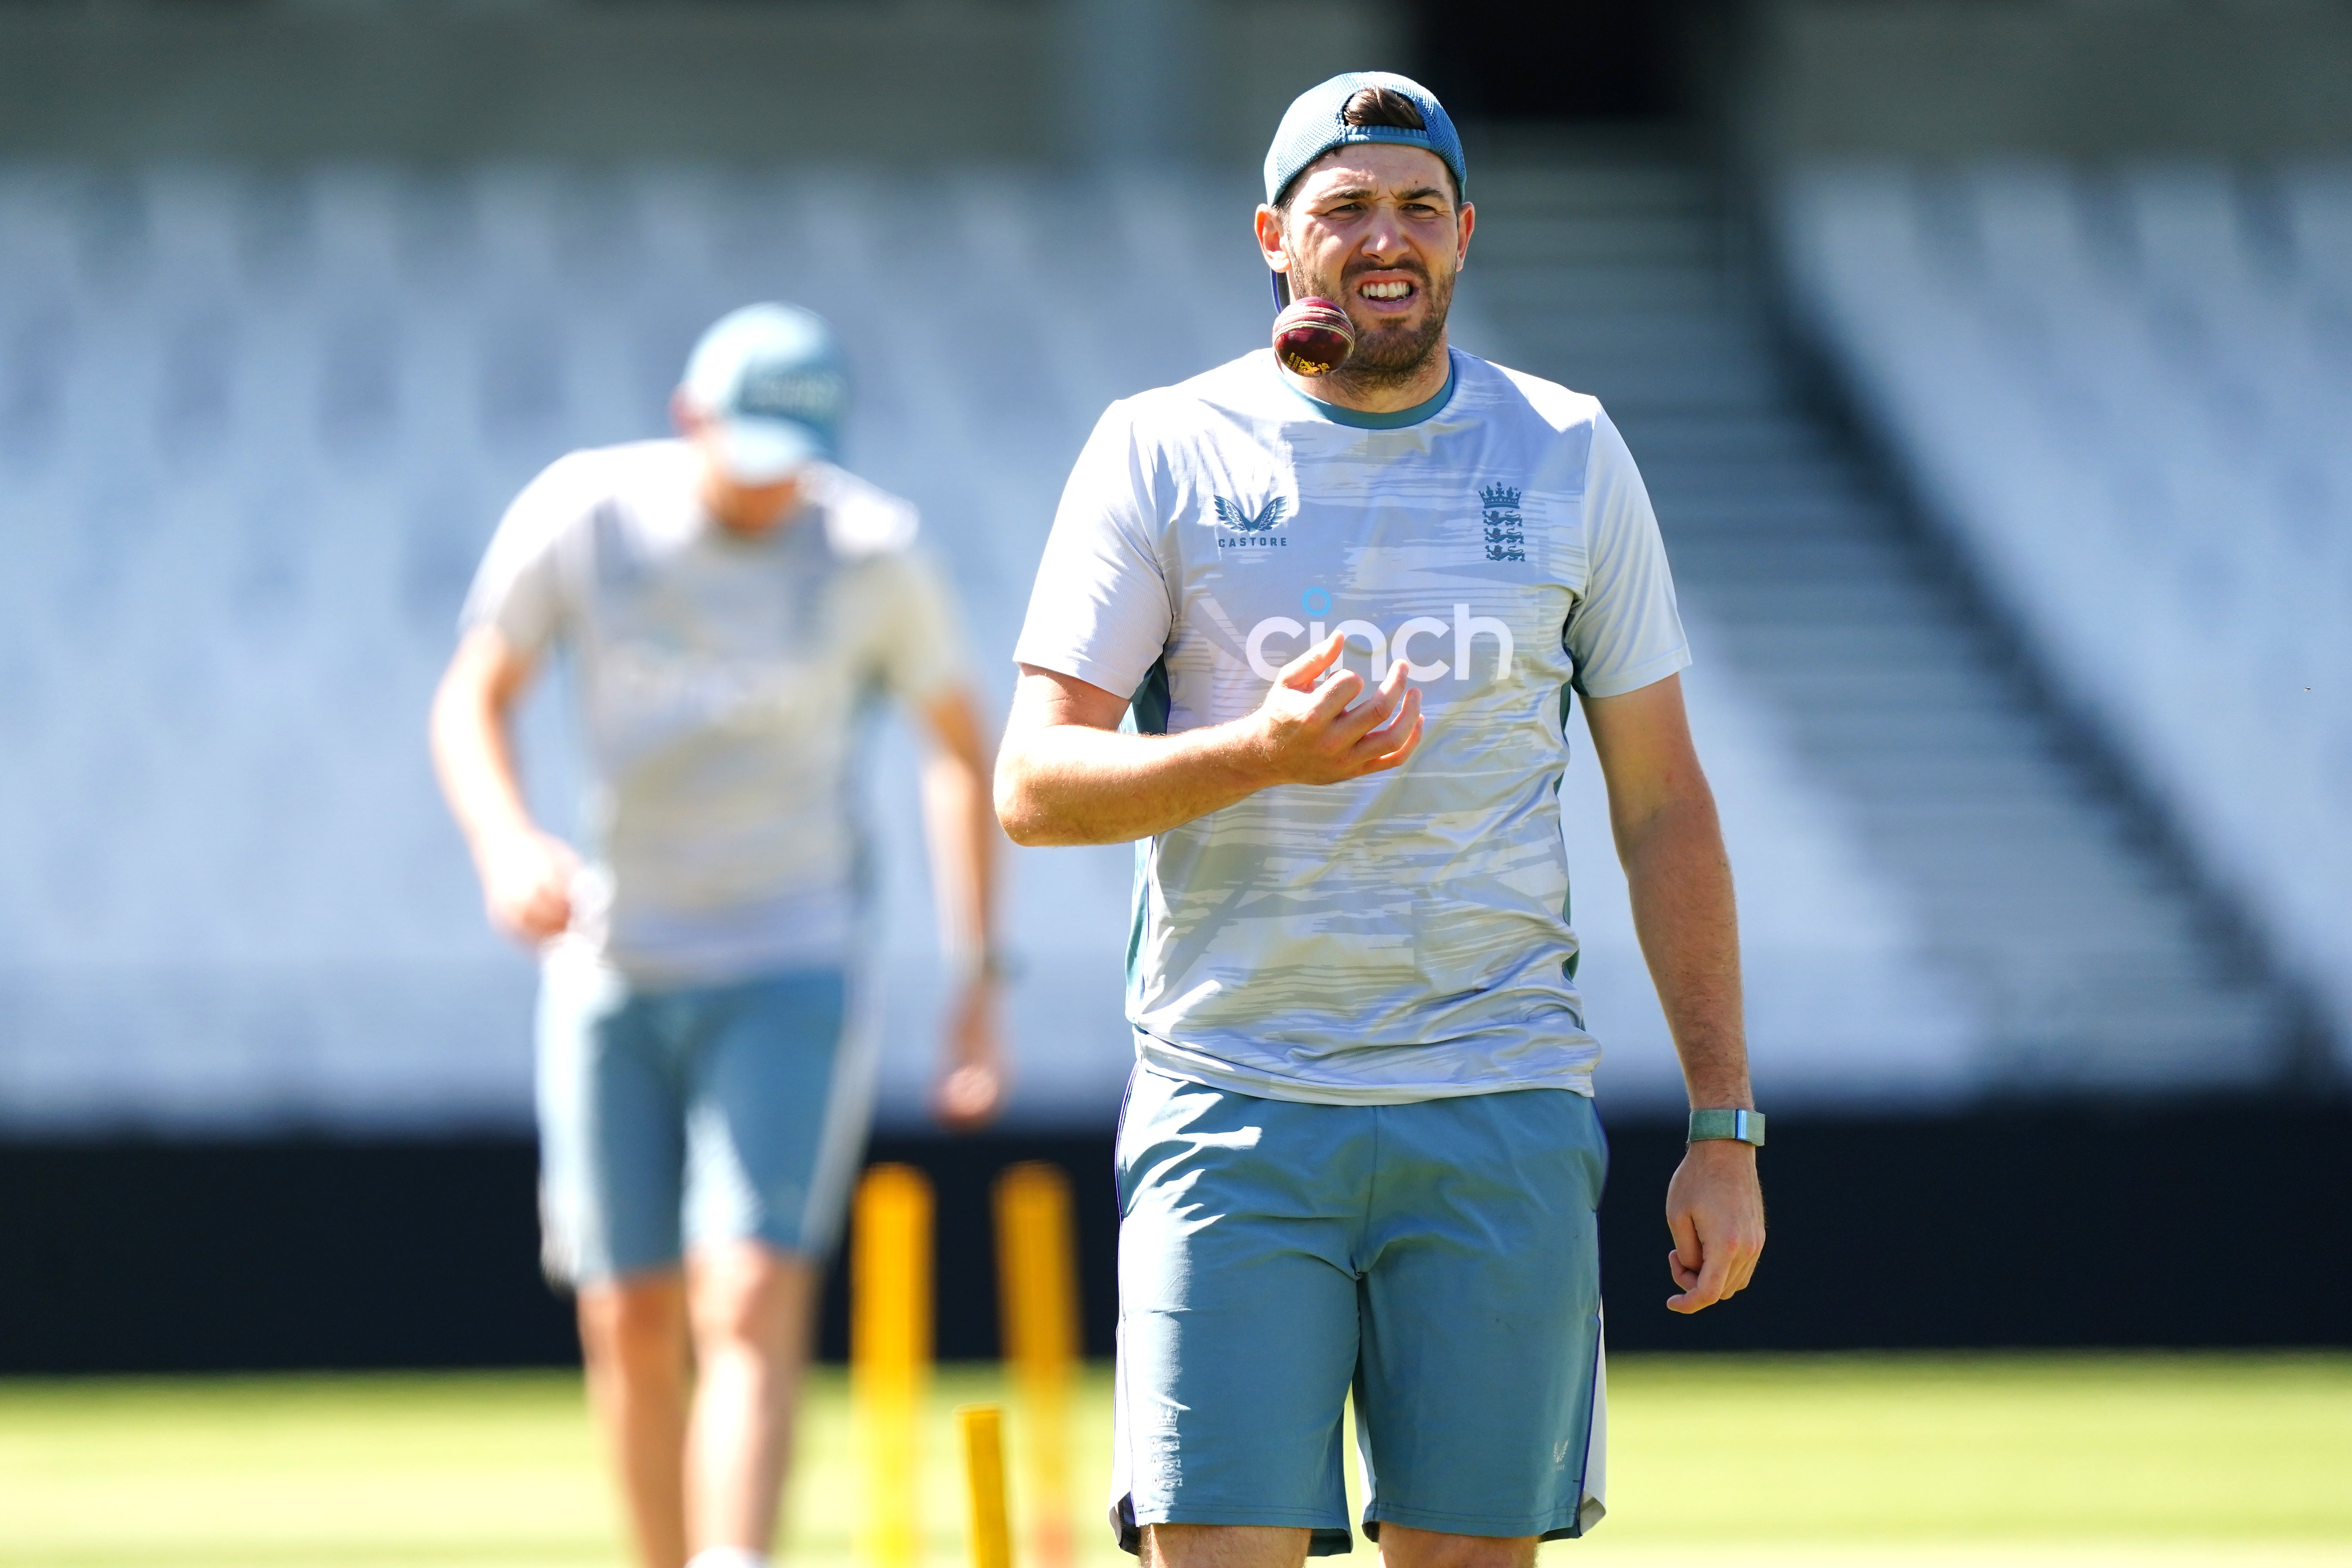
720, 680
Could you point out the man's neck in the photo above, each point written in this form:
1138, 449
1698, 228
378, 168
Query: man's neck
1386, 396
749, 517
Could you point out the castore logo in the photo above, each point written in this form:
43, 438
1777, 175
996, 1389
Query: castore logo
1255, 528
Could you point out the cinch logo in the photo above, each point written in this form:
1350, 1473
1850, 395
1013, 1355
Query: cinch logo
1256, 529
1267, 661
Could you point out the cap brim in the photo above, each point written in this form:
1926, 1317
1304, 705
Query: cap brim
766, 451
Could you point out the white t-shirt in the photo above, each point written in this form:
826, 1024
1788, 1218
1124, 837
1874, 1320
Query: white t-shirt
720, 681
1403, 936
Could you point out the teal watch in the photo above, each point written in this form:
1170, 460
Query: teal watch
1741, 1126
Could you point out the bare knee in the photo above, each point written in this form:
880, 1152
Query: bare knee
745, 1297
1224, 1546
1403, 1547
635, 1324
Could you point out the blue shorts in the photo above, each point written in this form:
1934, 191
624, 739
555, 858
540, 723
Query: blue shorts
1439, 1258
670, 1119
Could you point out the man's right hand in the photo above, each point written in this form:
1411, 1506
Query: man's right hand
1068, 776
1309, 735
527, 883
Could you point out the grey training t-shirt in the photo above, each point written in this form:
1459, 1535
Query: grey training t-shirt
720, 681
1404, 936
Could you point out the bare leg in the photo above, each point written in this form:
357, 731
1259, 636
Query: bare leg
1401, 1547
1224, 1546
753, 1309
632, 1335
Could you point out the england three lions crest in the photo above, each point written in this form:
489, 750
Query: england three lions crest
1239, 527
1506, 538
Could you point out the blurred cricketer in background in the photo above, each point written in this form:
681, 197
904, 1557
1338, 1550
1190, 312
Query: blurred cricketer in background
1359, 1145
730, 600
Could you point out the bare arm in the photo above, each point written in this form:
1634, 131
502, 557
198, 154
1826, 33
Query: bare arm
1663, 815
526, 873
1068, 776
961, 826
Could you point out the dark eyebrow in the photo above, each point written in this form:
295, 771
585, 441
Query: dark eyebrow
1357, 193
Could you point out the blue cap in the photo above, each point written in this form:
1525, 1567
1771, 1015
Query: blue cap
770, 378
1312, 126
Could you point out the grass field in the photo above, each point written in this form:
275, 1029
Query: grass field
2006, 1460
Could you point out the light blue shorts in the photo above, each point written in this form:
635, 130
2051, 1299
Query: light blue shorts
1439, 1258
670, 1119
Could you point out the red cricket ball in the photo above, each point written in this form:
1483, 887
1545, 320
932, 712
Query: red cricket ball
1313, 337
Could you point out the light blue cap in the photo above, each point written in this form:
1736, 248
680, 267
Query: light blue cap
1312, 126
771, 378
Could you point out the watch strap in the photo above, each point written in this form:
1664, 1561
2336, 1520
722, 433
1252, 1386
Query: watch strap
1740, 1126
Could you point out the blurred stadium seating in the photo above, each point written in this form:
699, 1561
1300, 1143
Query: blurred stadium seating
256, 429
293, 297
2127, 390
258, 426
1940, 898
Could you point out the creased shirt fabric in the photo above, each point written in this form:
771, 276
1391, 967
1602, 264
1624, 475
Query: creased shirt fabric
719, 681
1404, 936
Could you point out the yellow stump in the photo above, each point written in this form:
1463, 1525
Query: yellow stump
1037, 1281
981, 1427
890, 1354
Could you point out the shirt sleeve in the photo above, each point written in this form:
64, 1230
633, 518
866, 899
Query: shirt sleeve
1625, 632
1100, 610
519, 588
923, 653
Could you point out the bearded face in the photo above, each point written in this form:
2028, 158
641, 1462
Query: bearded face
1375, 227
1391, 349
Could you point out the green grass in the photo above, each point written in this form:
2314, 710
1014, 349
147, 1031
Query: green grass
2011, 1460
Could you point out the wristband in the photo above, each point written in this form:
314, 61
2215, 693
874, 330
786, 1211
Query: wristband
1739, 1126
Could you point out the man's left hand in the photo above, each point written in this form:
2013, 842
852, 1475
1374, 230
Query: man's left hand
973, 1079
1714, 1206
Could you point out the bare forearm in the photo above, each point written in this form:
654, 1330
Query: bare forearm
1680, 880
961, 826
959, 822
1068, 775
1068, 783
475, 763
963, 852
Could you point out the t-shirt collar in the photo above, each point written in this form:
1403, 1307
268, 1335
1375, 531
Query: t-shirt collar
1357, 418
816, 493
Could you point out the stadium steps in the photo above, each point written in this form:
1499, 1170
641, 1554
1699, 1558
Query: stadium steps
2040, 888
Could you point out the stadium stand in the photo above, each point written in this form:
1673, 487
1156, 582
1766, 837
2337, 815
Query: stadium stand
256, 426
254, 429
2124, 390
2035, 911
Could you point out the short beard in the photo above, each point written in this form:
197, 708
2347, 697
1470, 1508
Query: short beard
1385, 358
